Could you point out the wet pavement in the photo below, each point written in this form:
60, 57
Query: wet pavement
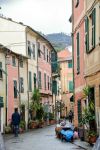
39, 139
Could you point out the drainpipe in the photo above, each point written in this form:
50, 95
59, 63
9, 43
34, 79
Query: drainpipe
6, 102
37, 64
27, 78
73, 49
19, 83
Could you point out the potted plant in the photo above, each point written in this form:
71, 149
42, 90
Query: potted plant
22, 126
88, 116
8, 129
92, 136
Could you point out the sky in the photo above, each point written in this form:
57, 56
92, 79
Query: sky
47, 16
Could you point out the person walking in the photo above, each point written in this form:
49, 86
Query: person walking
16, 121
70, 116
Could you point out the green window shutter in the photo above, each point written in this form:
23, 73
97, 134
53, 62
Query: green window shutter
93, 27
54, 87
79, 111
70, 86
39, 84
44, 81
87, 34
34, 80
15, 89
78, 54
1, 74
0, 64
1, 102
69, 64
21, 85
30, 81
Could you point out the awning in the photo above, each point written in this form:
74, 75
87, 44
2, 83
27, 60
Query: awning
71, 99
1, 102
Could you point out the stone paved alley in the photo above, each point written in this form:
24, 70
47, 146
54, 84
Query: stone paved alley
40, 139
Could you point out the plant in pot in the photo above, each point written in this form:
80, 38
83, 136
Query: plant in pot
8, 129
51, 118
88, 116
22, 126
37, 106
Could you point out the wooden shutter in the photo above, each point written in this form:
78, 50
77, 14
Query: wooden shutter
78, 53
93, 27
1, 75
79, 111
44, 81
40, 80
54, 87
30, 81
70, 86
35, 80
15, 89
87, 34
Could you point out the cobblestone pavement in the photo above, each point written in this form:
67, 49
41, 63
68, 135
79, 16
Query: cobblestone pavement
39, 139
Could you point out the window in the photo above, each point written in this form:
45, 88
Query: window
47, 56
13, 60
48, 82
21, 63
39, 51
44, 52
1, 74
54, 87
29, 49
21, 85
15, 89
78, 54
77, 3
33, 51
30, 81
70, 64
45, 81
40, 86
79, 106
90, 27
34, 80
70, 86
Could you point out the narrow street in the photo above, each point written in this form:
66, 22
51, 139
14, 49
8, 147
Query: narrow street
39, 139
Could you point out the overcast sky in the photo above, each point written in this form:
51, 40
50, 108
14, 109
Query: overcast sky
47, 16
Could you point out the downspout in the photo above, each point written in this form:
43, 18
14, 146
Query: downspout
37, 65
73, 49
19, 84
6, 102
27, 80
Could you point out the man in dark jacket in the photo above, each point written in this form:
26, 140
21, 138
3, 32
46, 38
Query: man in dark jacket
16, 121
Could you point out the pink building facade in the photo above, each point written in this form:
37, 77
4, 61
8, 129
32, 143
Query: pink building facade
13, 100
44, 73
78, 57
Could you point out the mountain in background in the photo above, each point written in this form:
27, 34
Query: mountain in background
59, 40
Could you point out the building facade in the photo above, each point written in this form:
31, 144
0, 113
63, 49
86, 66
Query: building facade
56, 85
3, 95
78, 12
92, 52
66, 76
26, 42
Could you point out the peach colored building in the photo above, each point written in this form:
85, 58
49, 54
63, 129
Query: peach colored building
66, 77
78, 11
